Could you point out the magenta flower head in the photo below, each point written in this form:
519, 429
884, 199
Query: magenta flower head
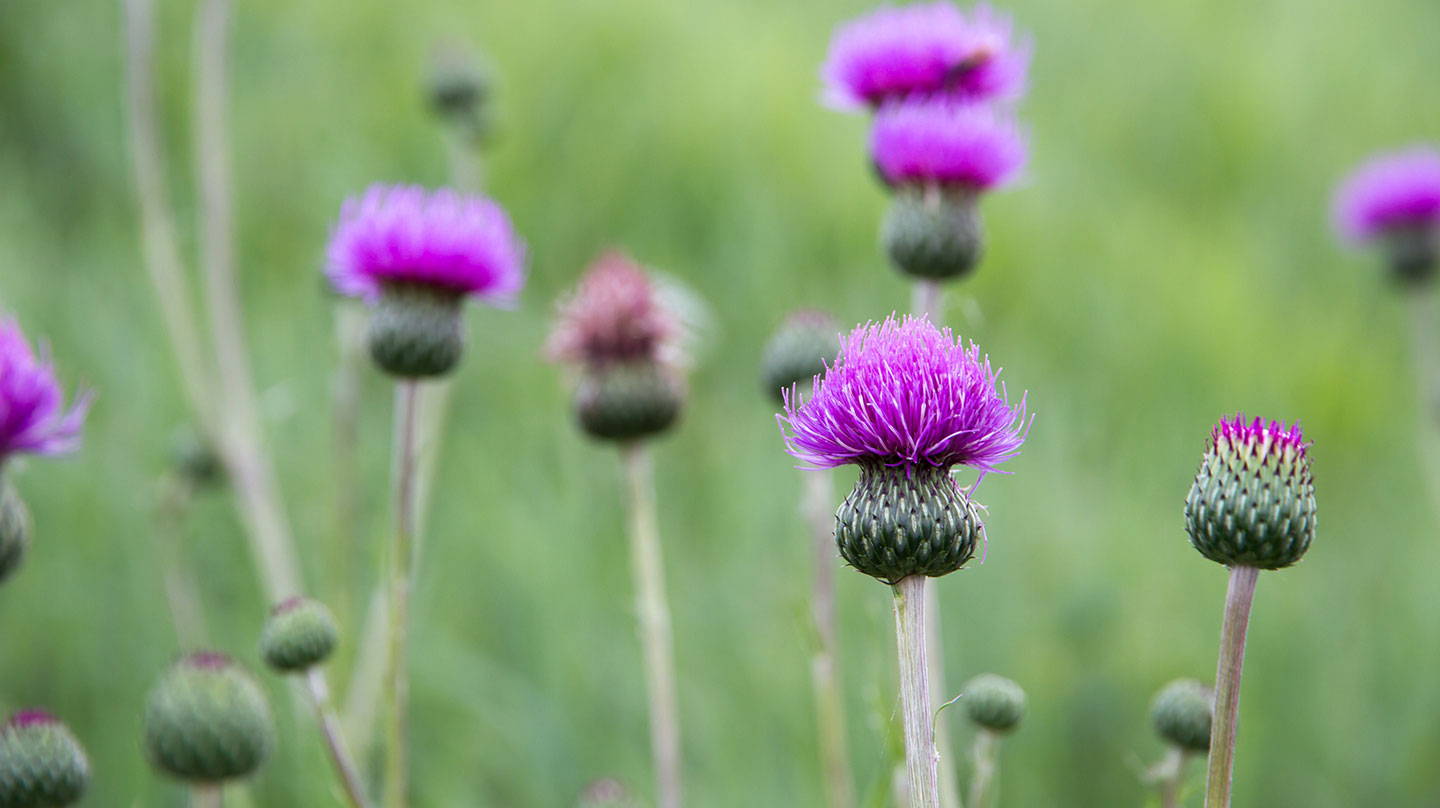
906, 402
924, 48
33, 415
1395, 199
615, 330
41, 763
416, 255
1253, 500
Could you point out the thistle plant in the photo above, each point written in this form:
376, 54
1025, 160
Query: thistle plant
1182, 714
906, 403
995, 706
416, 256
623, 343
41, 763
798, 352
1251, 508
34, 419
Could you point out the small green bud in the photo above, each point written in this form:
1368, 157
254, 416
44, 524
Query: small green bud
1412, 253
994, 702
901, 521
459, 88
933, 233
623, 401
300, 633
417, 330
41, 763
15, 528
1182, 712
207, 720
195, 460
798, 353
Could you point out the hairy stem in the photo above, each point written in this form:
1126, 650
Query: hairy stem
829, 702
921, 758
208, 796
345, 769
653, 611
1168, 774
985, 756
927, 298
402, 557
187, 611
1227, 684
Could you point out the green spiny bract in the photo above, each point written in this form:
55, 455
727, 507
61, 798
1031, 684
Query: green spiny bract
299, 634
14, 529
993, 702
416, 330
1182, 713
933, 233
623, 401
798, 352
41, 763
207, 721
906, 520
1253, 501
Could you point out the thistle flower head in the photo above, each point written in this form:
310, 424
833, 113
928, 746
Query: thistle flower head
42, 765
299, 634
1398, 189
206, 720
1253, 500
904, 393
615, 315
33, 415
1182, 713
934, 139
924, 48
798, 351
445, 240
993, 702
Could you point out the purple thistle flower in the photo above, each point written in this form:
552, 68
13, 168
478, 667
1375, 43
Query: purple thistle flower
30, 718
905, 393
1258, 436
923, 48
442, 239
1394, 190
939, 140
33, 417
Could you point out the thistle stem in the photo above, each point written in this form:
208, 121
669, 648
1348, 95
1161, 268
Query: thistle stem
402, 552
345, 769
921, 758
654, 614
1425, 337
1227, 684
829, 704
927, 297
986, 757
208, 796
1167, 775
186, 610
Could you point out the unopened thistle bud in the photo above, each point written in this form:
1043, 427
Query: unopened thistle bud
798, 352
622, 340
940, 155
300, 634
906, 403
459, 90
207, 720
14, 529
1394, 201
195, 460
1182, 713
1253, 501
415, 256
993, 702
41, 763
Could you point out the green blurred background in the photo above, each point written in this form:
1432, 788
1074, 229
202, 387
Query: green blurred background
1167, 260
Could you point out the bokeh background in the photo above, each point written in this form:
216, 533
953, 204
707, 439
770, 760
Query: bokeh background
1167, 260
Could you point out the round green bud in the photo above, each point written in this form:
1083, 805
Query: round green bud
207, 720
993, 702
1412, 254
902, 521
457, 87
417, 330
41, 763
300, 633
624, 401
195, 460
15, 528
798, 352
933, 233
1182, 712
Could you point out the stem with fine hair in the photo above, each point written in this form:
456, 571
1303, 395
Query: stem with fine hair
653, 611
402, 553
345, 769
1167, 775
209, 795
829, 702
986, 758
921, 759
1227, 684
927, 297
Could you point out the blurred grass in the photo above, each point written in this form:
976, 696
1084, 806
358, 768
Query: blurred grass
1167, 261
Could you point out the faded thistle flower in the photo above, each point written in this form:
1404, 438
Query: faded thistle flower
207, 720
625, 345
906, 402
940, 155
299, 634
993, 702
41, 763
1253, 500
415, 255
800, 349
1182, 713
1394, 199
924, 48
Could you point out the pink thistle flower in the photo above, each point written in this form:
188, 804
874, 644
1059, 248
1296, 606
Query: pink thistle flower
442, 239
1393, 190
30, 718
1258, 437
939, 140
924, 48
33, 417
615, 315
